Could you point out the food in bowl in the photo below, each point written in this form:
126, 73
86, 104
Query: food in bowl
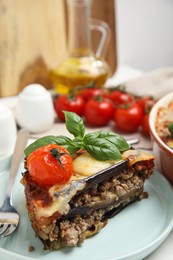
103, 176
160, 121
164, 123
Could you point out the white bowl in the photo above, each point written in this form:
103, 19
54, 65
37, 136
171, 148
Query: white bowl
163, 153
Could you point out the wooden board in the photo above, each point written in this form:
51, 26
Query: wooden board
33, 40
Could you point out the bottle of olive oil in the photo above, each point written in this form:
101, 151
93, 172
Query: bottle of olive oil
82, 66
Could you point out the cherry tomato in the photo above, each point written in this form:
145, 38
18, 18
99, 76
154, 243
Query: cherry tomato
50, 164
129, 118
120, 98
90, 93
145, 124
98, 113
146, 103
69, 103
141, 102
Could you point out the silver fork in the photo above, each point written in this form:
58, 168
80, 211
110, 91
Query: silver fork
9, 217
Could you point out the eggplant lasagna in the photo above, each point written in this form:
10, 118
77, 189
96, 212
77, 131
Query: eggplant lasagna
64, 216
163, 120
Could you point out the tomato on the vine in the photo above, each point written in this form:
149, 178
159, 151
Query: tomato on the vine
69, 103
91, 93
128, 118
146, 103
98, 112
145, 124
120, 98
49, 165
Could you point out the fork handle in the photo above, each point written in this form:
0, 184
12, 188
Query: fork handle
21, 141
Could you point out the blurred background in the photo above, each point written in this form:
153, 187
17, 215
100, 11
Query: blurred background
145, 33
34, 37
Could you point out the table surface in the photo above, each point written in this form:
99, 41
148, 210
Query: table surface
165, 251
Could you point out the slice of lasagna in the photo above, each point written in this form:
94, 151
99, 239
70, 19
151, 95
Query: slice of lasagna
65, 215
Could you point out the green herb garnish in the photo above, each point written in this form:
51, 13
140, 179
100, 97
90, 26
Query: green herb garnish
102, 145
170, 128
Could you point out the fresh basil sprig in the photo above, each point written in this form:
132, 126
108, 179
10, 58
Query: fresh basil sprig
102, 145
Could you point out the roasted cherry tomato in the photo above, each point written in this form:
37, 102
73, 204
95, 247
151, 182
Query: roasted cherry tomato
120, 98
98, 112
128, 118
69, 103
50, 164
91, 93
145, 124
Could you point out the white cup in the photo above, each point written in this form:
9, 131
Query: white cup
8, 131
35, 110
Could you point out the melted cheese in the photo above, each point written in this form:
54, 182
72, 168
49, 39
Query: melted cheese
86, 165
60, 203
136, 156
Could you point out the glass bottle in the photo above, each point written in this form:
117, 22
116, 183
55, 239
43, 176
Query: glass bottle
82, 66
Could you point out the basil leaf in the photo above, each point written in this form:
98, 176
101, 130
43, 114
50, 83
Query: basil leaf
74, 124
102, 149
114, 138
90, 136
170, 128
67, 143
78, 141
50, 139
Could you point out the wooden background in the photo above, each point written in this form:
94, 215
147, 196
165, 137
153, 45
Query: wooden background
33, 40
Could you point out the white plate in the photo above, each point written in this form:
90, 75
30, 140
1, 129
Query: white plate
133, 234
